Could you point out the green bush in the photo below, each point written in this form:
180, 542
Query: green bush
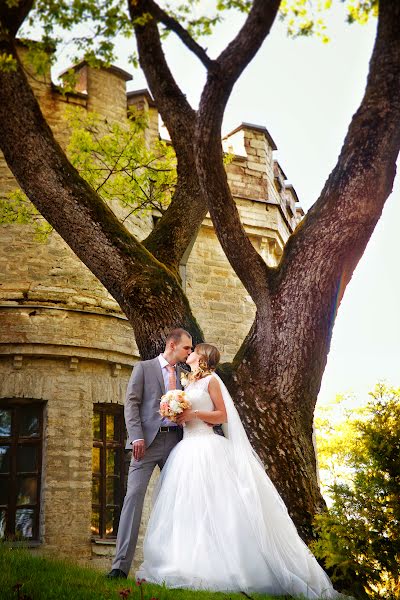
359, 534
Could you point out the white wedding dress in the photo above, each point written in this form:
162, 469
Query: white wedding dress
218, 523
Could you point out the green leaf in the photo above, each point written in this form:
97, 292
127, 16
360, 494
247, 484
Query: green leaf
118, 163
15, 208
7, 63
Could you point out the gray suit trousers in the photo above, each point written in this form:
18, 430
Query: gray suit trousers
139, 475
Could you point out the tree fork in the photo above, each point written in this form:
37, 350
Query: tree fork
154, 307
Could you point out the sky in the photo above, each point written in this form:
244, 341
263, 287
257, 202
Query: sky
305, 93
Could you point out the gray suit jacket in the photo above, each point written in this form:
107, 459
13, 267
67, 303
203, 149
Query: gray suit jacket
142, 403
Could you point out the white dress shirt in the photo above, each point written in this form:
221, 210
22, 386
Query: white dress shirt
164, 363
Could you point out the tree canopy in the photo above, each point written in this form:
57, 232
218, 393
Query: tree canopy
90, 28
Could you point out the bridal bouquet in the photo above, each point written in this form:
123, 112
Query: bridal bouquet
173, 403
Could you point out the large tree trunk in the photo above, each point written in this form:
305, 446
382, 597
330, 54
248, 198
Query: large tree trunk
275, 395
155, 306
282, 435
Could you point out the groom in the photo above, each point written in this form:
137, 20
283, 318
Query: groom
150, 437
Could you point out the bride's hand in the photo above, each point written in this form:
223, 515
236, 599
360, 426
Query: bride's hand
185, 416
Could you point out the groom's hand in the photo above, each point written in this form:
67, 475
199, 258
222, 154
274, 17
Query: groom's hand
138, 449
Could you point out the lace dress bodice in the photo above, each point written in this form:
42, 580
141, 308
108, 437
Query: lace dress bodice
197, 393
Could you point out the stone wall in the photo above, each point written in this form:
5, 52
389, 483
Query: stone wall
63, 338
69, 388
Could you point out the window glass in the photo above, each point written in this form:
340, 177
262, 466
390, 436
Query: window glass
110, 427
26, 459
4, 491
96, 490
112, 486
112, 461
5, 422
95, 522
26, 490
21, 427
5, 452
110, 526
24, 522
3, 515
96, 425
96, 460
29, 421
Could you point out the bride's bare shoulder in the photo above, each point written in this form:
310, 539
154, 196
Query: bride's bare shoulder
213, 383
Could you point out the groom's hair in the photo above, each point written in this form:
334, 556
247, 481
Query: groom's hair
176, 335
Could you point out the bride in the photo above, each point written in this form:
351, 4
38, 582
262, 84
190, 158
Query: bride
218, 523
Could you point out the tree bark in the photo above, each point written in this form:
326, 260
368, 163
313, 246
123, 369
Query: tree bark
12, 15
188, 205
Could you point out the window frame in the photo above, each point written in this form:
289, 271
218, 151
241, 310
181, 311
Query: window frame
16, 406
116, 410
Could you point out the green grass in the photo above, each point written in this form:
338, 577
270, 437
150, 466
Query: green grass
48, 579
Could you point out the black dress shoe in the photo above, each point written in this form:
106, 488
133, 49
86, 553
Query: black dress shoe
116, 574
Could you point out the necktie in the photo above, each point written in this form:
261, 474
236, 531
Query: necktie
171, 378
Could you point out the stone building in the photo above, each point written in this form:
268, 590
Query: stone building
66, 349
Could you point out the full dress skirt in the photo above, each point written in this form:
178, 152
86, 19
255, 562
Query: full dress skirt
212, 527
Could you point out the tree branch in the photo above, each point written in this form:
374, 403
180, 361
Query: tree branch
249, 266
12, 17
245, 260
67, 202
320, 257
238, 54
182, 33
172, 104
173, 233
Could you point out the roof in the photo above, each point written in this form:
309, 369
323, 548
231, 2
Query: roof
280, 168
254, 127
112, 69
143, 92
289, 187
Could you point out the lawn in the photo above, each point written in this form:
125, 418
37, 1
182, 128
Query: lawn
46, 579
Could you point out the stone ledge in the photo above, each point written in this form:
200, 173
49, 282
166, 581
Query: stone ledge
9, 303
52, 351
103, 547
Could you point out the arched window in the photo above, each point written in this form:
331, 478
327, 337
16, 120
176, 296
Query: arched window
21, 434
108, 466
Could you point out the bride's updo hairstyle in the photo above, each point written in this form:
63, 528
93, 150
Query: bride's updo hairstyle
208, 362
